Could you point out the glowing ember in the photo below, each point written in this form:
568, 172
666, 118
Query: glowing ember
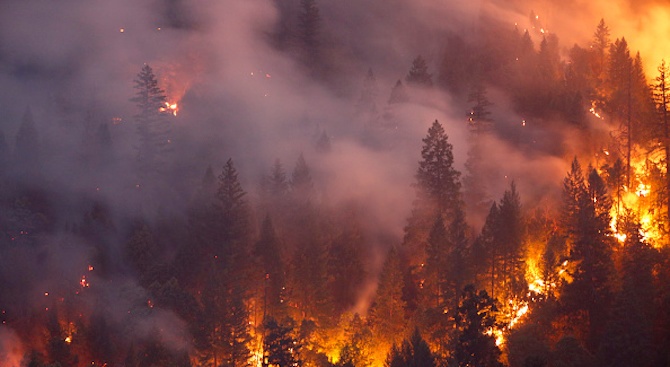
593, 110
83, 282
68, 339
171, 108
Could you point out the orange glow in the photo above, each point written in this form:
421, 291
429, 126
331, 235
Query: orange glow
637, 200
171, 108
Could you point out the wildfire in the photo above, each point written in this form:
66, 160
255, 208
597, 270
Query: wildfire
637, 200
594, 112
170, 107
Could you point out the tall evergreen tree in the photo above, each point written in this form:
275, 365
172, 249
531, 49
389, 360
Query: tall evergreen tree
412, 353
511, 236
153, 127
474, 347
280, 347
628, 337
587, 210
232, 207
661, 90
437, 190
418, 75
599, 60
387, 314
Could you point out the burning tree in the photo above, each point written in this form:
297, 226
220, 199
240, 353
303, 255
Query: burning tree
661, 89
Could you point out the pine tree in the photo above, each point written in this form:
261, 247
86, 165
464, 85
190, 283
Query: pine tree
223, 325
412, 353
232, 209
486, 243
280, 347
437, 191
418, 75
587, 221
661, 90
599, 60
153, 127
436, 179
388, 311
475, 316
510, 240
437, 251
628, 337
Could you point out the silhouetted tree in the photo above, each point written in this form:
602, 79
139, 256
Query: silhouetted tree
418, 75
152, 126
475, 316
280, 346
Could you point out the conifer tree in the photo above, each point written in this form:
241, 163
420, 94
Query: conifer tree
628, 337
388, 310
587, 219
232, 207
437, 190
418, 75
280, 347
412, 353
661, 93
475, 315
436, 179
153, 127
599, 60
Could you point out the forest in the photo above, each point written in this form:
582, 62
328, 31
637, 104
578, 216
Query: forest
259, 185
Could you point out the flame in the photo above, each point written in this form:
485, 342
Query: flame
171, 107
596, 113
637, 200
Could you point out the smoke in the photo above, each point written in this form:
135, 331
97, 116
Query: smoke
240, 96
11, 349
